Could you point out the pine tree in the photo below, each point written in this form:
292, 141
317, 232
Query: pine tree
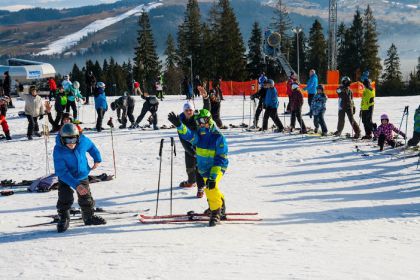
146, 62
255, 56
356, 46
370, 48
209, 52
172, 75
317, 50
392, 83
189, 36
344, 60
230, 44
282, 24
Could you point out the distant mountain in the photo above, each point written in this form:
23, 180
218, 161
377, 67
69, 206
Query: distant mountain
31, 31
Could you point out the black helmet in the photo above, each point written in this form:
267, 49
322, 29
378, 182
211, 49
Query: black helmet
69, 134
321, 87
367, 83
345, 81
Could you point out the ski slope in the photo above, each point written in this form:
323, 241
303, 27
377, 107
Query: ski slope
70, 40
328, 212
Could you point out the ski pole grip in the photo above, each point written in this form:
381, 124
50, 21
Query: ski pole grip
161, 147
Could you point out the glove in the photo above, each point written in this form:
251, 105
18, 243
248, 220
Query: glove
211, 184
174, 119
310, 115
41, 117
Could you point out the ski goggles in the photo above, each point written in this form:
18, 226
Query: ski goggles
70, 140
202, 120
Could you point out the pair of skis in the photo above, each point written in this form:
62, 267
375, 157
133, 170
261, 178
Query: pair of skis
192, 217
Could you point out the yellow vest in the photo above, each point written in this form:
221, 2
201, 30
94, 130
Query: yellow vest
368, 99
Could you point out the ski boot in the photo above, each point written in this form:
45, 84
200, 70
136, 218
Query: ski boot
215, 217
367, 137
92, 220
8, 136
37, 134
122, 126
185, 184
64, 220
316, 130
155, 127
30, 137
337, 133
223, 211
200, 193
324, 133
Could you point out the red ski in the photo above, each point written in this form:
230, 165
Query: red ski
193, 220
192, 215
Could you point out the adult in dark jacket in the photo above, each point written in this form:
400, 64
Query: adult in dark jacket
101, 105
7, 87
187, 88
212, 103
72, 168
125, 105
151, 105
271, 103
260, 95
194, 177
346, 107
197, 83
90, 85
296, 103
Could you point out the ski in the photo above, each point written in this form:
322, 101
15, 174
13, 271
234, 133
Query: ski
192, 214
195, 220
74, 212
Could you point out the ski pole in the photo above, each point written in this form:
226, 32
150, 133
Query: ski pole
250, 113
160, 171
243, 110
46, 138
402, 119
111, 125
418, 162
284, 113
406, 127
173, 152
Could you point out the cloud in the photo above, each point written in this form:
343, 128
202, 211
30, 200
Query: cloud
15, 8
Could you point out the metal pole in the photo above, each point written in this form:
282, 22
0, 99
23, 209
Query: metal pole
297, 42
160, 170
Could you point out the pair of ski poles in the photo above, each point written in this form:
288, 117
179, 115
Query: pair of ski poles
173, 153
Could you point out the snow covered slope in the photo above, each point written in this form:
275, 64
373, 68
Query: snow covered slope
328, 212
70, 40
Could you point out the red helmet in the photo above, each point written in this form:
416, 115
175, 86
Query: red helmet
136, 84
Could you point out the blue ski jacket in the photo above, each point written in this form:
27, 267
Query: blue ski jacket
100, 99
312, 84
271, 99
211, 149
71, 166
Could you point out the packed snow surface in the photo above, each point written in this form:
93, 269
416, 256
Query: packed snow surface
70, 40
328, 212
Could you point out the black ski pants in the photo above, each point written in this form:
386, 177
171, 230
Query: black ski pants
32, 125
147, 107
258, 112
415, 140
272, 113
320, 121
382, 140
100, 118
73, 106
297, 115
367, 121
66, 199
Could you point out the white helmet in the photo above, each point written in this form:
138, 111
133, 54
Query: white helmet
295, 86
76, 85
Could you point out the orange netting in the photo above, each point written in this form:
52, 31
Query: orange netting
251, 87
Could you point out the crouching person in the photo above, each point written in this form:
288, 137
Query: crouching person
71, 167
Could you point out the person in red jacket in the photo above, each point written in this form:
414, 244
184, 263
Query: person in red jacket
292, 80
3, 122
296, 103
53, 88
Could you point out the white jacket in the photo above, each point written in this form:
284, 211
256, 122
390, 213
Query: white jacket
34, 105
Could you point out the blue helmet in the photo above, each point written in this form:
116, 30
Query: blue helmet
100, 85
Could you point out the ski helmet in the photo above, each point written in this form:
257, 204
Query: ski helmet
69, 134
321, 87
203, 116
76, 85
136, 84
271, 82
113, 106
100, 85
66, 77
345, 81
67, 116
384, 117
295, 86
367, 83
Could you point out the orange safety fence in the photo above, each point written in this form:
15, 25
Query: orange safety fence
251, 87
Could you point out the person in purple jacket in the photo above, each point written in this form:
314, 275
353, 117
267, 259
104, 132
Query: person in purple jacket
72, 169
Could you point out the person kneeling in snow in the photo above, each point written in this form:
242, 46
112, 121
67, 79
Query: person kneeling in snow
384, 133
211, 152
71, 167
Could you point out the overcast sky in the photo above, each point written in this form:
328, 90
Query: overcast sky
19, 4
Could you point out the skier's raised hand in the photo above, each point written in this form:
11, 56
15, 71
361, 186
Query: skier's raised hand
174, 119
202, 91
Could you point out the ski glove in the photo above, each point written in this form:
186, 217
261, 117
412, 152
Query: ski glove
174, 119
41, 117
211, 184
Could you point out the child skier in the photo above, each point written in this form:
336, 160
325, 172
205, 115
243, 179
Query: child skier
124, 104
4, 101
34, 109
73, 95
72, 168
416, 134
150, 105
260, 95
101, 105
271, 103
366, 108
384, 133
296, 103
211, 153
212, 103
318, 108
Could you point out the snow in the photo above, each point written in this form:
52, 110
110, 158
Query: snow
328, 212
70, 40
